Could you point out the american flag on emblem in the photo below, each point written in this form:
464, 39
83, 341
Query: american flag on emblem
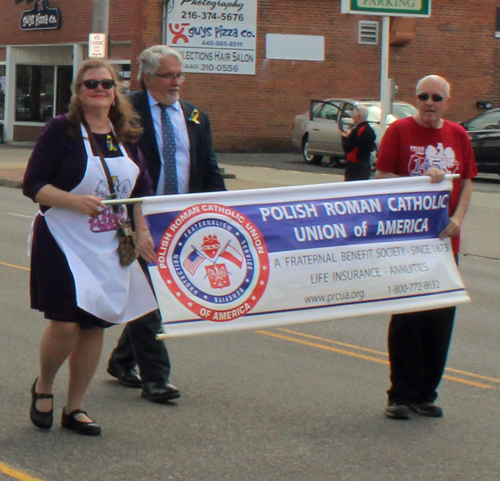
231, 254
192, 262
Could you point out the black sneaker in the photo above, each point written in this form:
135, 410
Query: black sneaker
397, 411
427, 409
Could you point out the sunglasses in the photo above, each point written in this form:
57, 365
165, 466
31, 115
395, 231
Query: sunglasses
92, 84
435, 97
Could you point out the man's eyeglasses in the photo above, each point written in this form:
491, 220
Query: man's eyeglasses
92, 84
171, 76
434, 97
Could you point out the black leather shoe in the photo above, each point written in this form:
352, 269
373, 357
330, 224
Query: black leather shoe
40, 419
68, 421
427, 409
159, 392
126, 377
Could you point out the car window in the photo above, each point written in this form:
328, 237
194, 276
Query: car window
316, 109
402, 111
347, 110
325, 110
489, 120
330, 112
398, 112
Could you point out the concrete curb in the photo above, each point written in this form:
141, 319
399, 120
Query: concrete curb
16, 184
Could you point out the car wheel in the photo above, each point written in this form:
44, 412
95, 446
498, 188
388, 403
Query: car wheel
309, 158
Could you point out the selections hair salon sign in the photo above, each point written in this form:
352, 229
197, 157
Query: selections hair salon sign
40, 17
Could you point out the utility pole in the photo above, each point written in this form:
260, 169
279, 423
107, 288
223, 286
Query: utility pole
100, 16
99, 41
385, 83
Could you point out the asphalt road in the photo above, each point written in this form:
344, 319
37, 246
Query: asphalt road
295, 404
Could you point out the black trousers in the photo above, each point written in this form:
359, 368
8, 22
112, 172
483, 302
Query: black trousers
357, 171
418, 348
138, 345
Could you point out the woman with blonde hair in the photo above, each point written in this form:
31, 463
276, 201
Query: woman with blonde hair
77, 279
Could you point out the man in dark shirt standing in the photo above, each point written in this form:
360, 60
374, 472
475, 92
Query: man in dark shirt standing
177, 146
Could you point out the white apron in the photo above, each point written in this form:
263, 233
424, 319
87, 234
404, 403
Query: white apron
103, 287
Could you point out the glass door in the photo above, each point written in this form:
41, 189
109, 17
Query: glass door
63, 86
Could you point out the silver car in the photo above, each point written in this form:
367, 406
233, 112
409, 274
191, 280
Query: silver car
317, 134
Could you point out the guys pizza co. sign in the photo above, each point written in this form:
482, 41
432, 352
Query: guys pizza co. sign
41, 17
393, 8
270, 257
214, 36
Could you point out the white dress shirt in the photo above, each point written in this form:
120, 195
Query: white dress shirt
182, 145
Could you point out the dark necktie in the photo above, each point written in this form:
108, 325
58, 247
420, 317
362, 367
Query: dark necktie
169, 165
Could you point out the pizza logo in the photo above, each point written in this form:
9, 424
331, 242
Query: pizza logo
214, 261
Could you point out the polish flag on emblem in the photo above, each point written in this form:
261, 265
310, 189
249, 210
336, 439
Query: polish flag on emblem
231, 254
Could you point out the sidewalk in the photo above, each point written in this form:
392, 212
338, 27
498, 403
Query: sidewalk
13, 160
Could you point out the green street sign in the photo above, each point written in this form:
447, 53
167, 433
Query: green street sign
391, 8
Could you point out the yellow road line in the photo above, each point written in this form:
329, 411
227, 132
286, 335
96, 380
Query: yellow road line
448, 369
333, 342
479, 376
465, 381
14, 266
16, 474
321, 346
360, 356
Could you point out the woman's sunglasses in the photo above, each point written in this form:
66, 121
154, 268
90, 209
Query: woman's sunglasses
92, 84
435, 97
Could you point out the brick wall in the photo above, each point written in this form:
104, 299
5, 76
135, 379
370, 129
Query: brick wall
458, 43
26, 133
255, 113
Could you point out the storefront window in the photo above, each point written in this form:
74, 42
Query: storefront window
2, 92
34, 93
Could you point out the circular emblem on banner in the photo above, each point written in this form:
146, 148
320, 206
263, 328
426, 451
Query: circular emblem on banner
214, 261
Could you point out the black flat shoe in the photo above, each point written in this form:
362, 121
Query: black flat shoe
40, 419
68, 421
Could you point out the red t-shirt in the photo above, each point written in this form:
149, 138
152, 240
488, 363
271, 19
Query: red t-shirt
409, 149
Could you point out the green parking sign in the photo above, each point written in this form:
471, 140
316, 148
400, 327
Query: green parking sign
392, 8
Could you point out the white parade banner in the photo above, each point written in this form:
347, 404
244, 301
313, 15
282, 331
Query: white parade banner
272, 257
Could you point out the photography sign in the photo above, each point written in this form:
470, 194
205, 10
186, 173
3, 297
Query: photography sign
40, 17
214, 36
392, 8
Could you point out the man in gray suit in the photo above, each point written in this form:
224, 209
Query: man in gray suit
194, 169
